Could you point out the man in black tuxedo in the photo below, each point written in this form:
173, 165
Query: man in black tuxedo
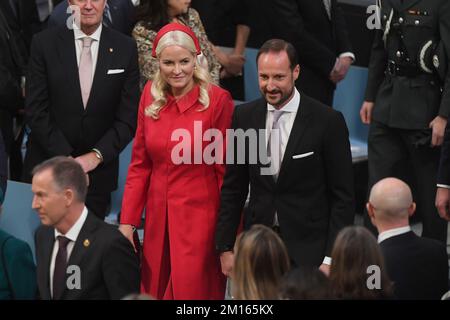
318, 31
82, 98
307, 195
417, 266
79, 257
119, 15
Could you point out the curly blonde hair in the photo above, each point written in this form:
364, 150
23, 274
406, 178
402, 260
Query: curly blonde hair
160, 87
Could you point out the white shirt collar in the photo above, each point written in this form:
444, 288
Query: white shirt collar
392, 233
291, 106
73, 232
80, 34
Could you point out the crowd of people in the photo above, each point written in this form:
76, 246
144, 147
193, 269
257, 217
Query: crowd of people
258, 198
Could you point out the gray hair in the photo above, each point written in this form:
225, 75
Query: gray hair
67, 174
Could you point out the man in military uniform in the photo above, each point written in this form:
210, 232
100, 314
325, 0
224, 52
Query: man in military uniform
408, 99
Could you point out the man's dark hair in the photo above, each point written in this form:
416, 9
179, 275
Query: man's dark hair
67, 174
278, 45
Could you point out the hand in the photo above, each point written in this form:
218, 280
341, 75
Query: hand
227, 262
234, 64
340, 69
88, 161
127, 231
366, 112
325, 268
442, 202
438, 125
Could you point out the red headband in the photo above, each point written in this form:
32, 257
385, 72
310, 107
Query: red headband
174, 27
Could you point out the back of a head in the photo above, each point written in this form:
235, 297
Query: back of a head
391, 199
305, 283
66, 174
354, 256
261, 260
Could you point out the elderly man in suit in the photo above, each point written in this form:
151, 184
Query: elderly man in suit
79, 257
82, 98
118, 15
308, 194
417, 266
318, 31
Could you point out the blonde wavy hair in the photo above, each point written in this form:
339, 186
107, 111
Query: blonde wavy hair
160, 87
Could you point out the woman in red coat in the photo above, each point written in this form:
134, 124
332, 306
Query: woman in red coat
171, 175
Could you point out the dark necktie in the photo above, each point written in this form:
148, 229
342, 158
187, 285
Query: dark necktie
59, 274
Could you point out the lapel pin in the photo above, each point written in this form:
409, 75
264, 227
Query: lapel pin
86, 243
111, 50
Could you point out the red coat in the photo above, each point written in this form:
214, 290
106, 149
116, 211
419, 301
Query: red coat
181, 201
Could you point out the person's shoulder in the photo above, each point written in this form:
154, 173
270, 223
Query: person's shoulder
119, 37
431, 244
105, 231
49, 34
316, 106
216, 91
13, 245
251, 106
193, 14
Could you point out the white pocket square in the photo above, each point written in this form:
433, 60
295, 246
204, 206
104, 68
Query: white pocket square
115, 71
303, 155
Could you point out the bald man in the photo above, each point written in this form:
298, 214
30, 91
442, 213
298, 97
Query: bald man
417, 266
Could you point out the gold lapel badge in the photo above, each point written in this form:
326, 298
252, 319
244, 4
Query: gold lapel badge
86, 243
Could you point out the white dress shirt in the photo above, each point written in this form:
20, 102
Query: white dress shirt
79, 35
392, 233
286, 120
72, 235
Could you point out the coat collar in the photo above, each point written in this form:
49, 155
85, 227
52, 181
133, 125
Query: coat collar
187, 101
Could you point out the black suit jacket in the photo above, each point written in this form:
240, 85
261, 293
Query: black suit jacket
54, 109
108, 265
318, 39
313, 196
417, 266
122, 15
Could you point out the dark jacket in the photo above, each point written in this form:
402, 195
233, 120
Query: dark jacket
417, 266
59, 123
17, 269
107, 262
313, 195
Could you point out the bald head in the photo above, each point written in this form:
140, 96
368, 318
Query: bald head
391, 199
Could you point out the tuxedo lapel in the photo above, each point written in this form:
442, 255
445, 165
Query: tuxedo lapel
105, 53
47, 250
68, 56
298, 129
